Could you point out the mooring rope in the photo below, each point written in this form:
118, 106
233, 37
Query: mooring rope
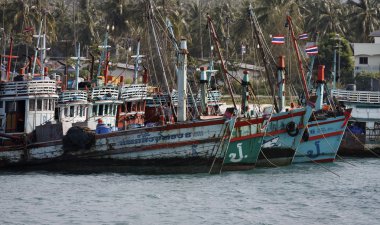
332, 149
357, 139
221, 144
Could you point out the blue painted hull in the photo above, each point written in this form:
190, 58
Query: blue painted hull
323, 142
279, 146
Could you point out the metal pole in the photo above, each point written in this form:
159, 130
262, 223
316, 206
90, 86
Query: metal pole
334, 69
182, 81
339, 59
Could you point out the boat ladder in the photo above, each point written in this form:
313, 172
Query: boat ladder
216, 167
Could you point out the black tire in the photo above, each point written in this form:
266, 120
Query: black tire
292, 129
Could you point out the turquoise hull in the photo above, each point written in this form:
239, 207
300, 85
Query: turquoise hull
279, 145
323, 142
245, 145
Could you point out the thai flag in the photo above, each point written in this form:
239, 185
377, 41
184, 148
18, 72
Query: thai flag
278, 40
312, 50
303, 36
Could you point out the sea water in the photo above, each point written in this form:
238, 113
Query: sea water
344, 192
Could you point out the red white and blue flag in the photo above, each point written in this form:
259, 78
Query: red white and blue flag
278, 40
312, 50
303, 36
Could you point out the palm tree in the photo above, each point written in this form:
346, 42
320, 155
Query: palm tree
326, 16
272, 13
364, 15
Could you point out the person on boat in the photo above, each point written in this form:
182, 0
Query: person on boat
102, 128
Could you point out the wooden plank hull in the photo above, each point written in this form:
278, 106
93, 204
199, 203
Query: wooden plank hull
190, 146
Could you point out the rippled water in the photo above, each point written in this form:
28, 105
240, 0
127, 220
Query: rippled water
301, 194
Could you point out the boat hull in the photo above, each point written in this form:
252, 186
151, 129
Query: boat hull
188, 147
244, 147
323, 142
279, 145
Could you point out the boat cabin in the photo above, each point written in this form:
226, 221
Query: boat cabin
104, 101
72, 108
26, 104
132, 112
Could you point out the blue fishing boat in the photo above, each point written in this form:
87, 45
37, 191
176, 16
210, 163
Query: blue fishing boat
283, 127
325, 130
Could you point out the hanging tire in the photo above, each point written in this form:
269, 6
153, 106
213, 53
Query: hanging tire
292, 129
306, 135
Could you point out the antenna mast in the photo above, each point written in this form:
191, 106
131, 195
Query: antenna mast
224, 69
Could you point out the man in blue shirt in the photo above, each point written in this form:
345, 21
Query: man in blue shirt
102, 128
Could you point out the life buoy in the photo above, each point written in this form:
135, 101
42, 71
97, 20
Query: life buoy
306, 135
292, 129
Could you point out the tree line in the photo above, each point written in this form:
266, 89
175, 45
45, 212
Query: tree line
86, 21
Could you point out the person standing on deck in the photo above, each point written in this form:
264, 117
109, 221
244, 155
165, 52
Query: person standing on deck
102, 128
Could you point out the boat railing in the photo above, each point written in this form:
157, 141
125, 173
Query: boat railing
138, 91
373, 134
104, 93
214, 97
72, 95
356, 96
28, 87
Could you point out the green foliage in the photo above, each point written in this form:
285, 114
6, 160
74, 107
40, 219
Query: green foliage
85, 21
326, 54
365, 80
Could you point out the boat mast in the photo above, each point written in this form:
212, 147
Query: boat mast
103, 56
224, 69
77, 58
151, 16
137, 61
9, 57
245, 93
263, 56
203, 83
43, 50
182, 81
281, 83
320, 87
310, 69
36, 50
301, 70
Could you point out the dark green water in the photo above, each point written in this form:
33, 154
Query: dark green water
300, 194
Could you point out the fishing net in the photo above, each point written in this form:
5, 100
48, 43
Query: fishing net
78, 138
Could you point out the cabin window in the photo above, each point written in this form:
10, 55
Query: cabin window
94, 110
363, 60
32, 104
106, 109
39, 104
71, 111
10, 107
1, 104
101, 108
44, 104
66, 112
57, 113
49, 104
129, 107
